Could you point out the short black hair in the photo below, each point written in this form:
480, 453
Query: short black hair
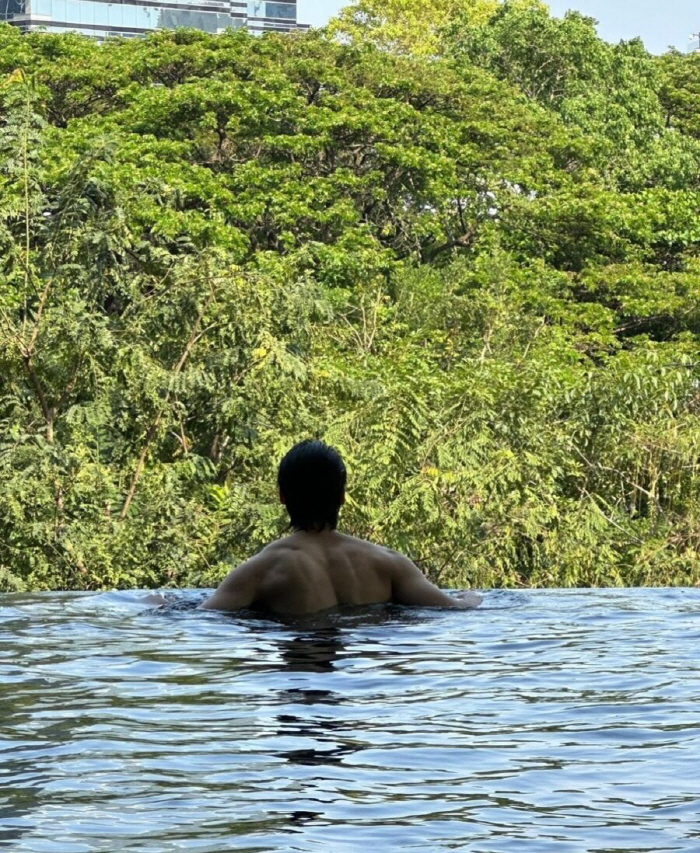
311, 479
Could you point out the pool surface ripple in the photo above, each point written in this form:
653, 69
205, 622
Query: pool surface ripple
545, 721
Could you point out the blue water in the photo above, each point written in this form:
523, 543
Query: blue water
545, 721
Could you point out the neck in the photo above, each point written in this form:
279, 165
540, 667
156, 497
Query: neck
324, 531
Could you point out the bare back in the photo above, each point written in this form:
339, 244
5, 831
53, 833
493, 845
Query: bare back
309, 572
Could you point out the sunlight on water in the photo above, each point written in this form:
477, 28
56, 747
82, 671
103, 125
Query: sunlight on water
545, 721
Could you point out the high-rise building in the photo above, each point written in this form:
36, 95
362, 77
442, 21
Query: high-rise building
100, 19
264, 15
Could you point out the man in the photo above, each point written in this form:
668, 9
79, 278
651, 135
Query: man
316, 567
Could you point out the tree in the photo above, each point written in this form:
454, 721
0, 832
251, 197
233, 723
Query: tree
412, 26
680, 91
215, 246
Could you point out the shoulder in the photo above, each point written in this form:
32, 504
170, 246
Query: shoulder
278, 561
246, 584
385, 559
395, 558
255, 568
353, 543
280, 549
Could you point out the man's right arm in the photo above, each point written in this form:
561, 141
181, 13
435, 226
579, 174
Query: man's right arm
409, 586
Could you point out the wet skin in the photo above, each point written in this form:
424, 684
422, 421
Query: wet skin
307, 572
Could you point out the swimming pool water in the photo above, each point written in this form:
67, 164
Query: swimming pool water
544, 721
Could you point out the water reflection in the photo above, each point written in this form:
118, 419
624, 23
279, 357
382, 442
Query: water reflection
540, 727
313, 652
17, 803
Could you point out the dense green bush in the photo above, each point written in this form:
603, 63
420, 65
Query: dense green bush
482, 286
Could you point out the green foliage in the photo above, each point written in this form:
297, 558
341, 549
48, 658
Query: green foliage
411, 26
618, 96
476, 274
680, 92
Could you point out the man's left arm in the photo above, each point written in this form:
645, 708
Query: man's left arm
240, 588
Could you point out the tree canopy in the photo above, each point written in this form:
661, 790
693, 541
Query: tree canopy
471, 263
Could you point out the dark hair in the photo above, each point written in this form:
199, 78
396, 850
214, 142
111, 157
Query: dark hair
311, 479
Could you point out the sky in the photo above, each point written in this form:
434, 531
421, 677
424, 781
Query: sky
660, 23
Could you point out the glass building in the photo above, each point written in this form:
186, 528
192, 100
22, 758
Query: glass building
100, 19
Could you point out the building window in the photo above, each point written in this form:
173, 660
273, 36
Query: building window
263, 9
